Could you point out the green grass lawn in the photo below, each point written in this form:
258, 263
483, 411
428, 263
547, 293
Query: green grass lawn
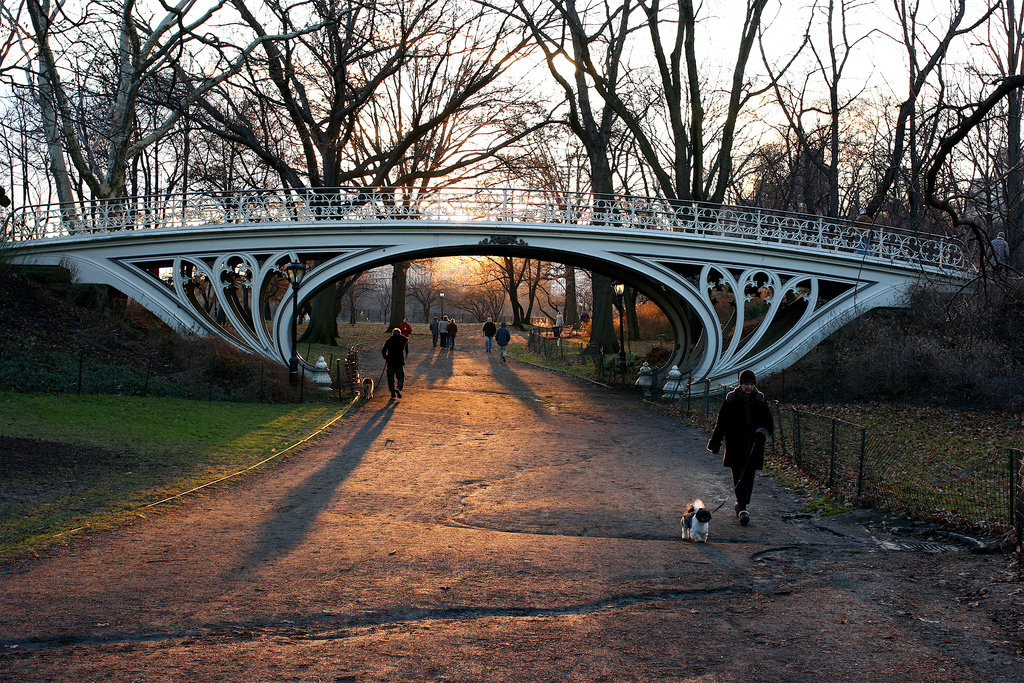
126, 452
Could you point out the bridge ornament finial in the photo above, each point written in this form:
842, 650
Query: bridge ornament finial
503, 241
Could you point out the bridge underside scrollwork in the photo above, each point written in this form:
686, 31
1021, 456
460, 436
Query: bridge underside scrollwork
741, 288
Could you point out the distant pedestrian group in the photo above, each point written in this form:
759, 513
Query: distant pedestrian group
443, 332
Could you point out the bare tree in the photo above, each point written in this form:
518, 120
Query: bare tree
997, 140
510, 273
696, 162
381, 95
114, 53
424, 285
381, 291
481, 300
591, 44
946, 146
820, 138
907, 133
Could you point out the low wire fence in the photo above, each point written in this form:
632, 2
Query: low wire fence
213, 378
568, 352
863, 467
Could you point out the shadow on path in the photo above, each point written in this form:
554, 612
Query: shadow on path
296, 510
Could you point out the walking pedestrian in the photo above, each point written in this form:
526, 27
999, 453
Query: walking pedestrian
442, 331
502, 337
395, 351
488, 332
745, 422
557, 329
406, 328
433, 330
453, 329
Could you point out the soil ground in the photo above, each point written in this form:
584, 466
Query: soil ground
501, 522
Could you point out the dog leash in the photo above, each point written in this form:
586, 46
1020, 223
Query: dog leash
743, 474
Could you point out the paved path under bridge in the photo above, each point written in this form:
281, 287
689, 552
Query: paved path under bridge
500, 523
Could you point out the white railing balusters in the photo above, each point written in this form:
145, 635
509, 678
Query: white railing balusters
501, 205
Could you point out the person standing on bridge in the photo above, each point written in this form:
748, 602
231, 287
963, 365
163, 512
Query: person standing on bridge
503, 337
488, 332
1001, 251
744, 422
395, 351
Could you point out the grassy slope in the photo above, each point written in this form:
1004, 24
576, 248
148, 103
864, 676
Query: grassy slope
107, 456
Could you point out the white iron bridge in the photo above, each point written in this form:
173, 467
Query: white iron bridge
742, 287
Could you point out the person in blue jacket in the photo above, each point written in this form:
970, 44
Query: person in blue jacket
502, 337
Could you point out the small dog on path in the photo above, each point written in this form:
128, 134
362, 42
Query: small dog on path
696, 522
366, 391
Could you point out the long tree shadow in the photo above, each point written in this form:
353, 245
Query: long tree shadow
517, 388
436, 366
295, 512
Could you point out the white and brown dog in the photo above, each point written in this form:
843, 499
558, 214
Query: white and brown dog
696, 522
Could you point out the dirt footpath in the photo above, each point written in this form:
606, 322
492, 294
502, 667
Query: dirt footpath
502, 523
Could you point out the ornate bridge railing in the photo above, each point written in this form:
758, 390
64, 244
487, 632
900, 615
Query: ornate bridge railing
184, 212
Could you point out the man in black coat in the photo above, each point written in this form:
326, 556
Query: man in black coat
745, 422
395, 351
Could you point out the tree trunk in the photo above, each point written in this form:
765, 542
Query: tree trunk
399, 277
51, 130
632, 324
1014, 181
602, 328
569, 311
323, 319
512, 289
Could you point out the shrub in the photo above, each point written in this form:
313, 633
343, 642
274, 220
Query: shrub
940, 350
652, 321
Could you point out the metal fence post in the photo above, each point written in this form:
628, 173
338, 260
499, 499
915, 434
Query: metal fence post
860, 468
782, 432
1019, 498
797, 438
1016, 463
832, 459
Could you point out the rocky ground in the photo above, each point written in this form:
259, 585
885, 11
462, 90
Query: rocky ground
501, 522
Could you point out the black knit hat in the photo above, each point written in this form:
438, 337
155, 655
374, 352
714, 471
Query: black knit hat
748, 377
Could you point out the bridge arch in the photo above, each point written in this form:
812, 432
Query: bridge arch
741, 287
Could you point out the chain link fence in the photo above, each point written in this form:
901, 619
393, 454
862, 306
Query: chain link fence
862, 467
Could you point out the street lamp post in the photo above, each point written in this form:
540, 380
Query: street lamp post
295, 271
442, 303
620, 289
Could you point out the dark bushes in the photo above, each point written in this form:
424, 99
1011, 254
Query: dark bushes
965, 350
